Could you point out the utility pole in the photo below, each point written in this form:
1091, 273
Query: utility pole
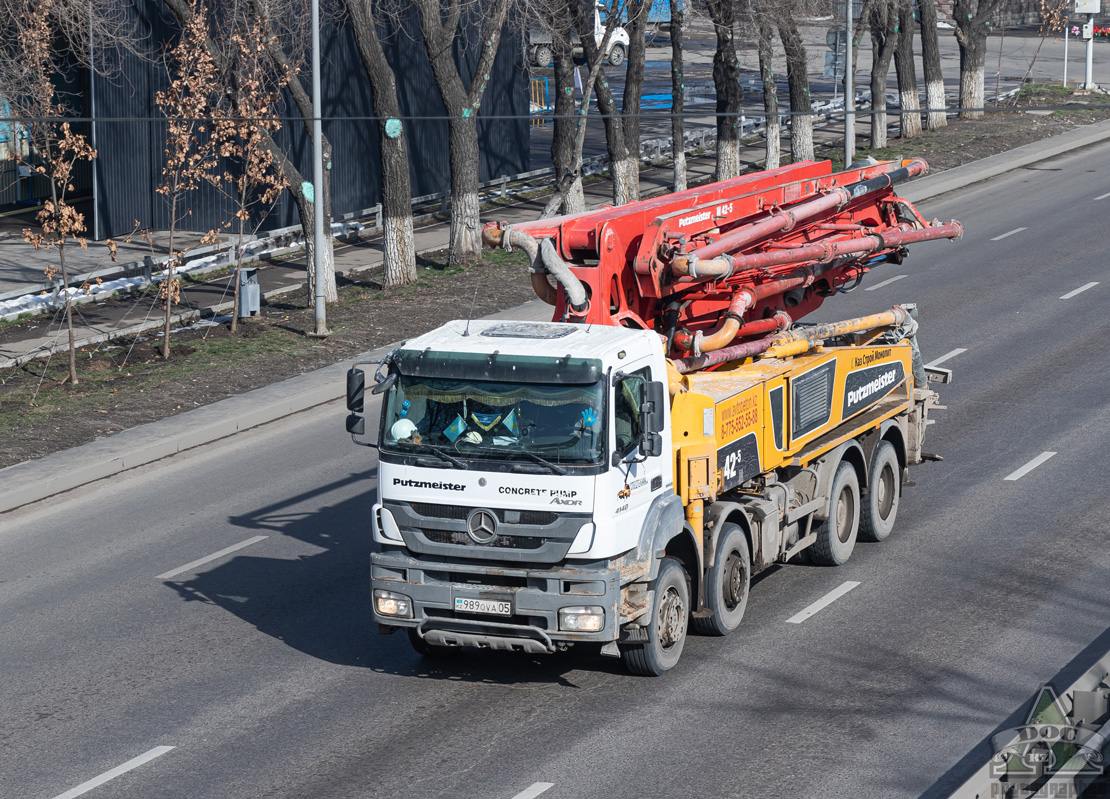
318, 178
1090, 8
849, 90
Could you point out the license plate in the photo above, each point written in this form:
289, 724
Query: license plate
496, 607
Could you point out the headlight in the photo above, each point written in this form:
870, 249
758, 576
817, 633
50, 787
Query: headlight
388, 603
582, 619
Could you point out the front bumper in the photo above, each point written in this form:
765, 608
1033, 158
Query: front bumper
536, 596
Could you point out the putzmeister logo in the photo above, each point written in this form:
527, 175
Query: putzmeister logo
862, 393
864, 387
397, 481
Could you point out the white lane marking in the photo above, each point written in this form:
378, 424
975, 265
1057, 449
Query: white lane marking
1103, 196
85, 787
534, 790
946, 356
823, 602
886, 282
1079, 290
1006, 235
213, 556
1027, 468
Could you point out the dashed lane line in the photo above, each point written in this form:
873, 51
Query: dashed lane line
946, 356
823, 602
886, 282
134, 763
1027, 468
1007, 235
1079, 290
1103, 196
213, 556
534, 790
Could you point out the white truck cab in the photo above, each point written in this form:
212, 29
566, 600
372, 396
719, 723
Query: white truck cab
522, 481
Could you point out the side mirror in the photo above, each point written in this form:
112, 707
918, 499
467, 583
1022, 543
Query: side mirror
384, 383
356, 392
653, 408
651, 446
356, 425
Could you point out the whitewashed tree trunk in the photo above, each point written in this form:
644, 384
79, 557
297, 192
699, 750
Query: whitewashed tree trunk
773, 147
801, 138
934, 96
728, 159
575, 201
972, 80
626, 184
400, 250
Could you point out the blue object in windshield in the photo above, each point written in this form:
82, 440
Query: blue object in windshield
589, 417
455, 429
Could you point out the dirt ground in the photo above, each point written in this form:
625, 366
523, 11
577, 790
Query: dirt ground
126, 383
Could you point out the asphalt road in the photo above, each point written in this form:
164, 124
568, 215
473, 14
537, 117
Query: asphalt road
262, 669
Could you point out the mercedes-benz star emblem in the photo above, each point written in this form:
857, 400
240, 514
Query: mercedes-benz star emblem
481, 526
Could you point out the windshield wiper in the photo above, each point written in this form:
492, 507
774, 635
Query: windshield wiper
439, 453
542, 461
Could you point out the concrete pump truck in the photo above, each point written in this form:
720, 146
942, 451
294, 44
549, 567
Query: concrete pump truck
618, 475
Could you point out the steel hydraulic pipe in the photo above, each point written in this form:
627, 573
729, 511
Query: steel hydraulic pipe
800, 340
733, 353
743, 301
824, 251
786, 220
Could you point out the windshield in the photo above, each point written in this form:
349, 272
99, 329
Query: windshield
529, 423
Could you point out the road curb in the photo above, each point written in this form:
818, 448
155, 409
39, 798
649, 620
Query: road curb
961, 177
31, 481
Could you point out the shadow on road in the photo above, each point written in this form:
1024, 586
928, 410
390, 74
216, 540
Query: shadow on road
319, 603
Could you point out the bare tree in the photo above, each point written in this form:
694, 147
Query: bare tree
40, 40
884, 37
238, 135
400, 247
797, 78
973, 25
286, 23
765, 38
910, 120
726, 81
930, 62
622, 127
678, 98
567, 122
189, 156
568, 176
445, 25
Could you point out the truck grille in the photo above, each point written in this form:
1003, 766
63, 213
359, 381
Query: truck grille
504, 541
535, 517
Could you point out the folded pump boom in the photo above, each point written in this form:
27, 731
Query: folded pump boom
722, 265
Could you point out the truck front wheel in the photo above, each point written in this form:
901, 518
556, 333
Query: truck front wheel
836, 537
667, 630
881, 508
726, 585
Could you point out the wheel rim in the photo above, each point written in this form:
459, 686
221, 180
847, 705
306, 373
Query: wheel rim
885, 492
735, 586
672, 618
845, 510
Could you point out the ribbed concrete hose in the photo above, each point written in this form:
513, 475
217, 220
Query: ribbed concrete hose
544, 260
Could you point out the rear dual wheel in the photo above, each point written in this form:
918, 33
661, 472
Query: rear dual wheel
881, 506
